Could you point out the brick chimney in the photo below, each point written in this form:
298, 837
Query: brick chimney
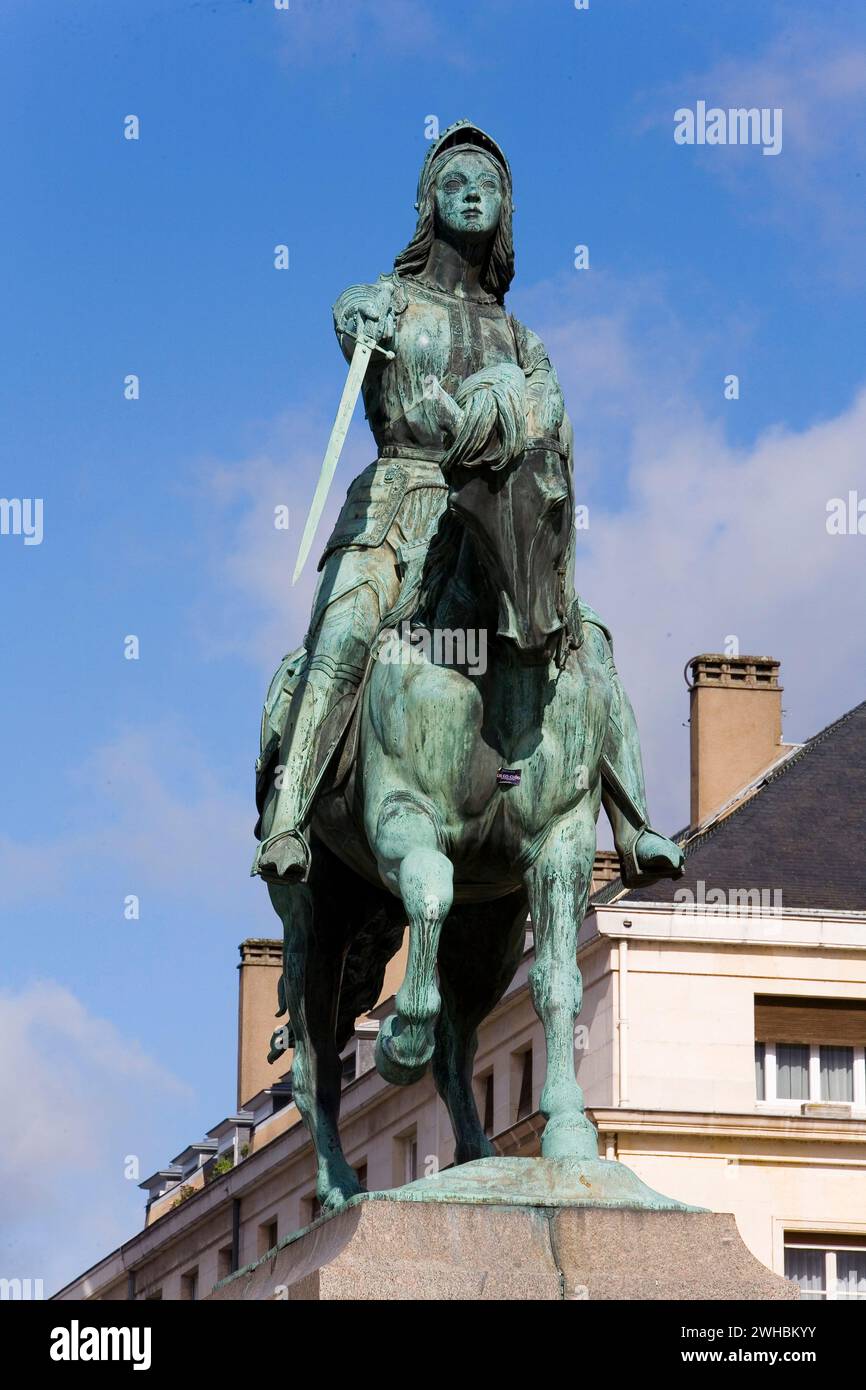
736, 726
258, 975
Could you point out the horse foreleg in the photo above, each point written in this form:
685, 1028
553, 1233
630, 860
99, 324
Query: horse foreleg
558, 887
479, 952
412, 865
312, 982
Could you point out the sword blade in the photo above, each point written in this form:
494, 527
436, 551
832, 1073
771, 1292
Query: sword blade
357, 370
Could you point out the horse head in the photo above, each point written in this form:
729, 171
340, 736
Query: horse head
520, 519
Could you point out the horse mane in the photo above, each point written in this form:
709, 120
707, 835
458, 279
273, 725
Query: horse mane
419, 602
439, 567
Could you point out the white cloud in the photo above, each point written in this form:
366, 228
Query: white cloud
332, 31
703, 538
816, 73
79, 1099
261, 614
157, 818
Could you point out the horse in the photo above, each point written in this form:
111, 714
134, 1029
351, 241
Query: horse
471, 801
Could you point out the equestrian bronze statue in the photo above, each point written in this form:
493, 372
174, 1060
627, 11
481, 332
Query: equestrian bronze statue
438, 749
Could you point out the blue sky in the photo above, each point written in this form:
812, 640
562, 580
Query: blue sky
155, 257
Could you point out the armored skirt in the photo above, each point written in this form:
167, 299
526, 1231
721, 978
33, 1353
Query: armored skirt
384, 529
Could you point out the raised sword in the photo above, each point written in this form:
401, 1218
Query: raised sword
364, 349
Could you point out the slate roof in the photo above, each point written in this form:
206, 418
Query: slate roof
803, 832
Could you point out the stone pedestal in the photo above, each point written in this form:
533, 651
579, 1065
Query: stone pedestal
514, 1229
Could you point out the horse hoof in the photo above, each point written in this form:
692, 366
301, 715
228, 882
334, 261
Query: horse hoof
335, 1194
574, 1136
389, 1065
334, 1199
470, 1153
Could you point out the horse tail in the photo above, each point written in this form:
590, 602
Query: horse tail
376, 942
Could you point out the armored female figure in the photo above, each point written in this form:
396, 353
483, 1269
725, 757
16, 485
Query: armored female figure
460, 382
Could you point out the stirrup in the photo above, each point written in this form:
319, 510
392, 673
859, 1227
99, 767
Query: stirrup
633, 876
299, 869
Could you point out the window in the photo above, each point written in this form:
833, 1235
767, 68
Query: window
826, 1266
792, 1071
153, 1297
837, 1073
189, 1286
350, 1066
365, 1056
487, 1110
224, 1262
268, 1236
808, 1268
816, 1073
407, 1157
524, 1099
361, 1175
810, 1050
850, 1273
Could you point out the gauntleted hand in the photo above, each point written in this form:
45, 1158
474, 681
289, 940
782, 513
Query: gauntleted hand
367, 310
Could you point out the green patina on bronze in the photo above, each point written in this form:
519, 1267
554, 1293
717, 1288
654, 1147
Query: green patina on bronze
380, 791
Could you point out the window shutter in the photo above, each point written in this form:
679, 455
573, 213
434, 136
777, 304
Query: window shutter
834, 1022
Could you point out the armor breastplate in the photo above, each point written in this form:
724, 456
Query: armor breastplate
438, 336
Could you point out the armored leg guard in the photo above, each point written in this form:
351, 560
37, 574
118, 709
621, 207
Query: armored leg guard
321, 706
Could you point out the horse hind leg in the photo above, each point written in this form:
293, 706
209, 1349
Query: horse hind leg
410, 861
479, 952
311, 984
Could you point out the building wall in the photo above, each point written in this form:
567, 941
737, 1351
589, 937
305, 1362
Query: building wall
770, 1186
692, 1008
595, 1052
670, 1082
